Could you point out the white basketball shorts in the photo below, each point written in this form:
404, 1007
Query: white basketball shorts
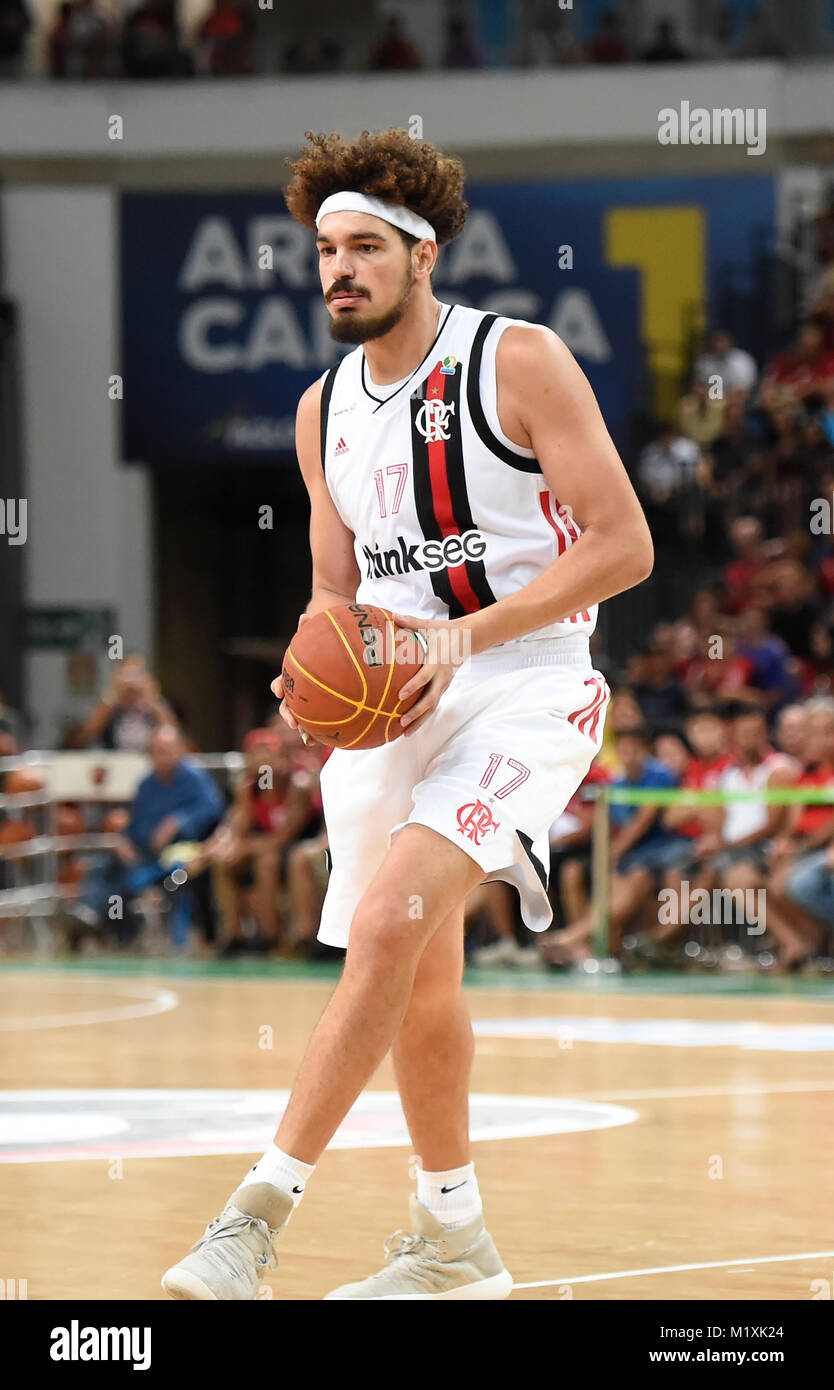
512, 737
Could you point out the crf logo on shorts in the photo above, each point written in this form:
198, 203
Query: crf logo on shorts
475, 820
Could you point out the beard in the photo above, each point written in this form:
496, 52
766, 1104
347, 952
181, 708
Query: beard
348, 327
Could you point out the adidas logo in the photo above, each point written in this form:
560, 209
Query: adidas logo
341, 447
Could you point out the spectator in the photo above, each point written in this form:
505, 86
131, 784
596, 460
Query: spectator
771, 661
151, 44
307, 875
665, 47
810, 886
11, 729
58, 41
549, 37
729, 451
670, 475
734, 852
642, 848
394, 52
312, 52
805, 373
822, 308
793, 457
817, 674
128, 713
248, 851
747, 578
658, 692
795, 610
805, 839
790, 731
699, 416
176, 802
570, 850
725, 365
15, 23
697, 761
720, 672
494, 905
461, 50
78, 44
226, 35
608, 44
758, 39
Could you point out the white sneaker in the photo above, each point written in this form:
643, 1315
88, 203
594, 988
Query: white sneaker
229, 1260
500, 952
436, 1262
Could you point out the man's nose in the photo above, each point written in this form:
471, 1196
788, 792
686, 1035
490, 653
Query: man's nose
343, 265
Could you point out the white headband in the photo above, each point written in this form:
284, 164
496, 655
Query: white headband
394, 213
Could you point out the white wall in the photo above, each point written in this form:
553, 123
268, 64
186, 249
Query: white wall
479, 110
89, 542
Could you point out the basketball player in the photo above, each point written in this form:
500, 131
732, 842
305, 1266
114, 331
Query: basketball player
459, 474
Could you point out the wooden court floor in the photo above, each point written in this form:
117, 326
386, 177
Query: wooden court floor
709, 1178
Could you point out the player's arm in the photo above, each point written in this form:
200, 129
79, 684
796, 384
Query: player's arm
545, 403
336, 574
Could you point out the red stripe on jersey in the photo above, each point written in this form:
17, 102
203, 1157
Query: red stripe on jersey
567, 532
442, 500
544, 498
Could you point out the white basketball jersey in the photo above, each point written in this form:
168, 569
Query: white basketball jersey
449, 516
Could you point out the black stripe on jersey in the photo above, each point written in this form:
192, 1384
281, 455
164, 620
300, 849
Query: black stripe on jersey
456, 475
527, 846
326, 393
476, 409
429, 524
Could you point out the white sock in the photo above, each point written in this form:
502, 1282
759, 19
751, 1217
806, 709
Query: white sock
282, 1171
452, 1197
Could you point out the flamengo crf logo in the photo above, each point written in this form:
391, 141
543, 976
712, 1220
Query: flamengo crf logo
432, 419
475, 819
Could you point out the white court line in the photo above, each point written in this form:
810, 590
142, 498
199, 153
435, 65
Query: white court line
694, 1092
156, 1001
675, 1269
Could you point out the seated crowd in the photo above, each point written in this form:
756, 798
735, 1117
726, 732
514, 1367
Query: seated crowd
736, 695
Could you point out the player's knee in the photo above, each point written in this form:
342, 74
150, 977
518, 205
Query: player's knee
382, 930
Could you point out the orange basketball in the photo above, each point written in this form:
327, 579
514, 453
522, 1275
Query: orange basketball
342, 672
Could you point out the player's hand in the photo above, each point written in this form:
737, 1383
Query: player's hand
447, 649
277, 688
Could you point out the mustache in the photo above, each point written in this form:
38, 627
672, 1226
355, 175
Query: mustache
345, 286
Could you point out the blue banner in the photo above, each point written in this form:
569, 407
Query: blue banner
223, 323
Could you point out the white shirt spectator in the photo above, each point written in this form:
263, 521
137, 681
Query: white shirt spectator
736, 368
667, 465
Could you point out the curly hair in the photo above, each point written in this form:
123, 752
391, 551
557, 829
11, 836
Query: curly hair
385, 164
